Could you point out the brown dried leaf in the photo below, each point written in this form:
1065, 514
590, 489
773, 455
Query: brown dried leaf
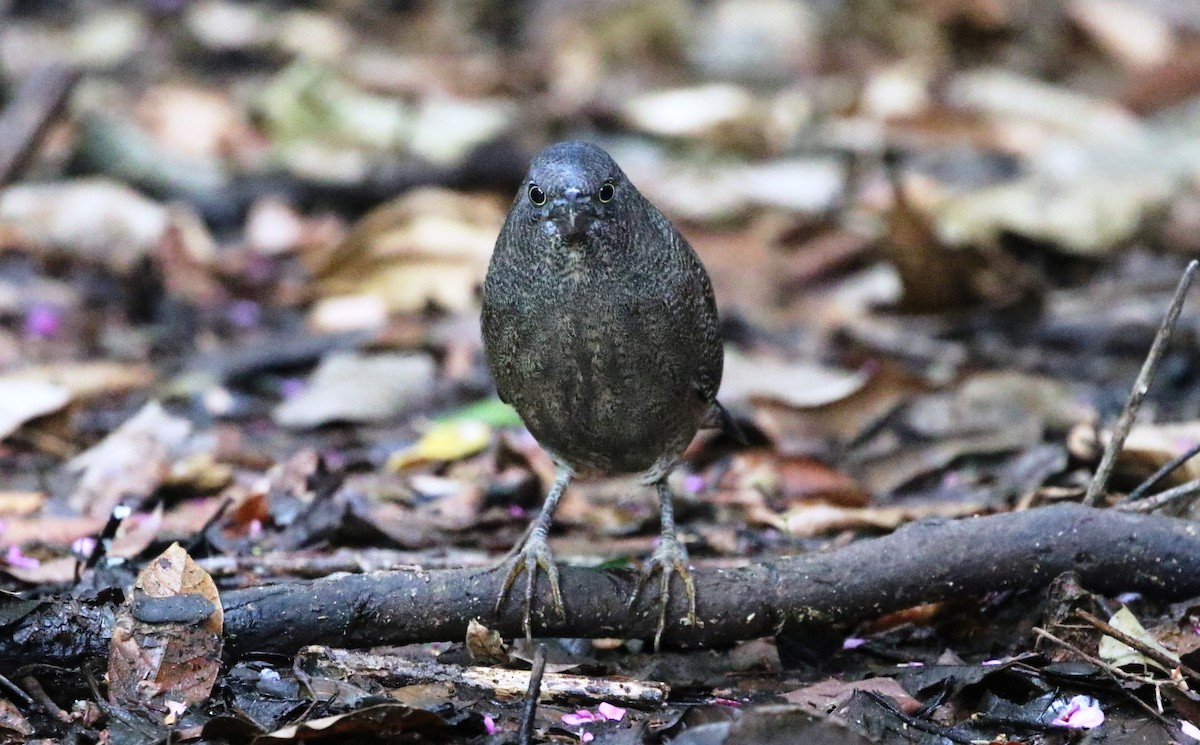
821, 698
132, 461
428, 247
134, 536
21, 502
152, 662
85, 381
24, 400
13, 722
95, 219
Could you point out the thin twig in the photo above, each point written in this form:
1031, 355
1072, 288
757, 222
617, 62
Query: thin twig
556, 687
202, 534
1140, 387
1162, 473
15, 691
525, 737
39, 101
917, 723
1154, 501
1113, 673
43, 699
1138, 645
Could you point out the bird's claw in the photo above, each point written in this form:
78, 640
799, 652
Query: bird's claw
669, 559
533, 555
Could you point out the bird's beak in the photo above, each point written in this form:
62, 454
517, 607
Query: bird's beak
572, 214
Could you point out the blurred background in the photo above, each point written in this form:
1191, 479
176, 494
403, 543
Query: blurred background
942, 234
241, 249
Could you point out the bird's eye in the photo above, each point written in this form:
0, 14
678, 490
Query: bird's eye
536, 195
607, 190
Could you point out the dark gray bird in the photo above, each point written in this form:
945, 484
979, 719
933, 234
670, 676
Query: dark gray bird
600, 327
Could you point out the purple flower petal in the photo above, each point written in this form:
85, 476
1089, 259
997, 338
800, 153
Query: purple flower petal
1081, 712
489, 724
42, 322
83, 546
583, 716
245, 313
17, 560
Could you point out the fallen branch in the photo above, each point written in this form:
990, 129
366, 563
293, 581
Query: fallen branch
392, 672
1112, 552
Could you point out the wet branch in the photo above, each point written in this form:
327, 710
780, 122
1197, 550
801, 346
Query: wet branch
1112, 551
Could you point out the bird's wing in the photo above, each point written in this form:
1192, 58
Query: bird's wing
499, 346
699, 308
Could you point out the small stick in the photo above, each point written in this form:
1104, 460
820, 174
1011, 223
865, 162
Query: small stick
119, 513
1162, 473
917, 723
503, 683
525, 737
1111, 672
43, 699
37, 103
1138, 645
1140, 387
16, 691
1154, 501
202, 534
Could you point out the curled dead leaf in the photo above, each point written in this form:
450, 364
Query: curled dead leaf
166, 644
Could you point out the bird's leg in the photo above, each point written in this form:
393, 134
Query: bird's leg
533, 553
669, 558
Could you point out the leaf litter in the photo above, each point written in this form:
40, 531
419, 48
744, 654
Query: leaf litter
239, 281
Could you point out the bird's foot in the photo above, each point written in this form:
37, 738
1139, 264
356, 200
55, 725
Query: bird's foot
669, 559
534, 554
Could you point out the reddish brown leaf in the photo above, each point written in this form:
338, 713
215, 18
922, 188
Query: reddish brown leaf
153, 662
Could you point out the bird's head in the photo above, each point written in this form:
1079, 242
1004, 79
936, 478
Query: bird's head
572, 188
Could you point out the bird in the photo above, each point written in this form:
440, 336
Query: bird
600, 327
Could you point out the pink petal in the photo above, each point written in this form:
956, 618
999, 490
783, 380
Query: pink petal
14, 558
1088, 718
586, 736
1081, 712
583, 716
610, 712
42, 322
489, 724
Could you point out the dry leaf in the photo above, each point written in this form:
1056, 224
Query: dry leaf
95, 219
1120, 654
166, 644
800, 384
444, 442
821, 698
25, 400
430, 246
350, 387
132, 461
